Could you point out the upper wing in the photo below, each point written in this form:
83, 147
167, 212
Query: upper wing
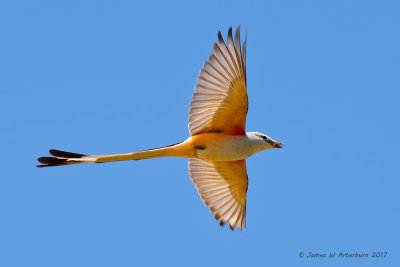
222, 186
219, 102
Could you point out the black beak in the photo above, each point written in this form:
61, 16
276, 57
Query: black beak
278, 145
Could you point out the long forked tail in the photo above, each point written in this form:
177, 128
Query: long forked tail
67, 158
63, 158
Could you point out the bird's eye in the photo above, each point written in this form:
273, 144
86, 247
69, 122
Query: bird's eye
264, 137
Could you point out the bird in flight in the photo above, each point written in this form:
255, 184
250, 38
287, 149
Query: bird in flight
218, 144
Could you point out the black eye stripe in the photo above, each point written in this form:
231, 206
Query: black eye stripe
265, 138
268, 140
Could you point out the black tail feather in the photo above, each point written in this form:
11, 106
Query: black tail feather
51, 161
60, 158
65, 154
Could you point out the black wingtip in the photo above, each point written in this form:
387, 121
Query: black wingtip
220, 39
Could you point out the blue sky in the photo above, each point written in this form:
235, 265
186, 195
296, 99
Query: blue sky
102, 77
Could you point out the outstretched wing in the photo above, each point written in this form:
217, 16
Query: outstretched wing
222, 185
219, 103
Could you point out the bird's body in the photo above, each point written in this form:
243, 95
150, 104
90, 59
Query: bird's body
218, 144
207, 146
223, 147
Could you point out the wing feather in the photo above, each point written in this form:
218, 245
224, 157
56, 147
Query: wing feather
222, 185
219, 103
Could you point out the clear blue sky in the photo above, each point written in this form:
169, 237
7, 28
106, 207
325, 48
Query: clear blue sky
102, 77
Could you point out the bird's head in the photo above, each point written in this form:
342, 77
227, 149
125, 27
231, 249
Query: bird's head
263, 141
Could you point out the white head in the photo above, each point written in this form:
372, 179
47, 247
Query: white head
262, 142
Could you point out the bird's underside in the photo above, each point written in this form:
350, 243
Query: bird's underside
218, 110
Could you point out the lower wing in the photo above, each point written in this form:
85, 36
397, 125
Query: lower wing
222, 185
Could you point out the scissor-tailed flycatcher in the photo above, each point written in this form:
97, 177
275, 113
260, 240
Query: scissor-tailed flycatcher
218, 144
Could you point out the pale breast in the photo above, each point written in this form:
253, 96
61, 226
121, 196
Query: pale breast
230, 149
